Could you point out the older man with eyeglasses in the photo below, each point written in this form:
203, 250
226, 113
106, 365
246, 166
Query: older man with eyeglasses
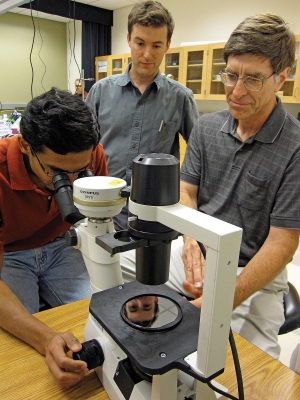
242, 166
59, 133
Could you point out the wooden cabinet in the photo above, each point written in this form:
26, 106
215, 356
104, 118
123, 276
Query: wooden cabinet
101, 67
119, 62
182, 147
202, 64
110, 65
214, 89
194, 69
172, 64
198, 67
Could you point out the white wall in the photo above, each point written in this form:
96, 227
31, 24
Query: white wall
207, 20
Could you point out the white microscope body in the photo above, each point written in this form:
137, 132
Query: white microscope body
99, 198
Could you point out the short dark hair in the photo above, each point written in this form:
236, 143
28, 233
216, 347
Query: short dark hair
266, 35
61, 122
151, 13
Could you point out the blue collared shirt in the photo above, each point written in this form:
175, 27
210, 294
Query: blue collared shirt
132, 123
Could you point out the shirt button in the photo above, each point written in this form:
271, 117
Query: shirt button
137, 124
49, 197
134, 146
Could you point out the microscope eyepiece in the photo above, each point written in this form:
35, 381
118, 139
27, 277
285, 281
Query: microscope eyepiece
64, 198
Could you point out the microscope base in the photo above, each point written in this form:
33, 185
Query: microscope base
121, 381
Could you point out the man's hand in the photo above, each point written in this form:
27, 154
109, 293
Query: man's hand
194, 263
194, 266
64, 369
196, 293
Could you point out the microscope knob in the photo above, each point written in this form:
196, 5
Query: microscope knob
91, 353
71, 237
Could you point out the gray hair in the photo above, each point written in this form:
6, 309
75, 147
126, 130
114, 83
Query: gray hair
266, 35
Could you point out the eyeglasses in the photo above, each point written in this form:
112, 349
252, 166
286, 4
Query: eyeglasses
52, 173
250, 83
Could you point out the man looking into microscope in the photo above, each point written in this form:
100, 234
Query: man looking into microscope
59, 133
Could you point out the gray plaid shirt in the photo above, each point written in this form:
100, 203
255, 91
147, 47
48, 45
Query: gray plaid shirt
253, 184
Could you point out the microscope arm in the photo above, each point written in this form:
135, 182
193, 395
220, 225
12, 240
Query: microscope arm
223, 241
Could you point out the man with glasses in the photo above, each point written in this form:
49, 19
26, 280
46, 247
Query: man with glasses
59, 133
242, 166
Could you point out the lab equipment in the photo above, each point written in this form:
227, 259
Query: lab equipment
175, 360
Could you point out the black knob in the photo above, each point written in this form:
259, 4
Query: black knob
71, 237
91, 353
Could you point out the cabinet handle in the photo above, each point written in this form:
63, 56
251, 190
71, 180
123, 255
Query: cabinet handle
296, 91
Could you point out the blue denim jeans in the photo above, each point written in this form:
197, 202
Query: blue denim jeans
55, 272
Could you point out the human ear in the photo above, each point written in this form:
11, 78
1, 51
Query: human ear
129, 39
282, 76
24, 145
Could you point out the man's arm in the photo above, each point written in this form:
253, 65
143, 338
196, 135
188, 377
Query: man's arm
15, 319
276, 252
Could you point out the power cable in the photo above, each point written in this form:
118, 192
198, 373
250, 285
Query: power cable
39, 53
30, 56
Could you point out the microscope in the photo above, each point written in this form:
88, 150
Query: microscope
174, 357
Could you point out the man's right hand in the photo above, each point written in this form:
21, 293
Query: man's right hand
194, 266
64, 369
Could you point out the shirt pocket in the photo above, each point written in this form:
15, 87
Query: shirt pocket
162, 136
254, 192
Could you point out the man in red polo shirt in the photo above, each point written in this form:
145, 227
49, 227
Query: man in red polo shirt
59, 134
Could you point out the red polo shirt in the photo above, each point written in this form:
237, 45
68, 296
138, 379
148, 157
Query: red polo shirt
29, 216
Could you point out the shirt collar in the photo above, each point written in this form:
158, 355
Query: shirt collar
19, 178
270, 129
124, 79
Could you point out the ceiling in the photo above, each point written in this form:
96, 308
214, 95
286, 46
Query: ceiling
107, 4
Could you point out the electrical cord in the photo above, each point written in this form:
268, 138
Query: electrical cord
72, 50
74, 41
30, 56
235, 357
39, 53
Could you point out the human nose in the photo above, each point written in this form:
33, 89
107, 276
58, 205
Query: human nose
147, 51
239, 89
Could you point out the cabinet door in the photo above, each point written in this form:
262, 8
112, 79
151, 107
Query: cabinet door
119, 63
194, 69
290, 91
102, 67
215, 63
172, 64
